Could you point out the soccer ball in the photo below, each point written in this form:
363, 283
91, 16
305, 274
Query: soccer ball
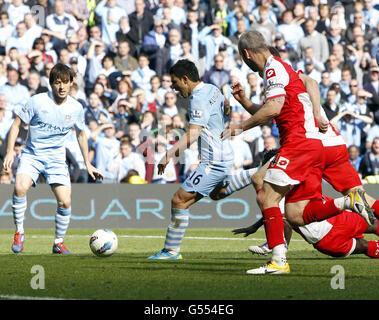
103, 242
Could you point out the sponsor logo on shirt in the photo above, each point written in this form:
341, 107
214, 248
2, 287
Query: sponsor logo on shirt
196, 114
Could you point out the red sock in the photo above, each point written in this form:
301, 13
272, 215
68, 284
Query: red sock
373, 249
274, 226
375, 206
318, 210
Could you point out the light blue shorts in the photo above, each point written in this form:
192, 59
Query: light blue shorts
206, 177
54, 172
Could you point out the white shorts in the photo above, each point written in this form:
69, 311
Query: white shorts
206, 177
54, 172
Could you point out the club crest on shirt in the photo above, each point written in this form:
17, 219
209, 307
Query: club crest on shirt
67, 117
270, 73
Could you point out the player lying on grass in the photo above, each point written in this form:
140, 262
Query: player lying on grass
206, 122
51, 117
338, 236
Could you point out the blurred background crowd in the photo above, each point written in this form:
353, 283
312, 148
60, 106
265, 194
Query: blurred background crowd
122, 50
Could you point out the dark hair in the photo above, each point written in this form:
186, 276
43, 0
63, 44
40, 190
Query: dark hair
62, 72
187, 68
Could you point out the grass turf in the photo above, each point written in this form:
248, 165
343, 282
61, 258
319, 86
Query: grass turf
211, 269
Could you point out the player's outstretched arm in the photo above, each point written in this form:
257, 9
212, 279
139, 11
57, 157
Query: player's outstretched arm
238, 93
249, 230
12, 136
270, 109
184, 142
83, 144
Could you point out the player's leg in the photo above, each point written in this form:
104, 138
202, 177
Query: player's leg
180, 204
237, 181
268, 199
62, 216
22, 185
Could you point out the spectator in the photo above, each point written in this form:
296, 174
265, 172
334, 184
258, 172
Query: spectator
142, 75
291, 32
16, 11
141, 22
358, 21
60, 21
125, 161
167, 55
73, 52
309, 54
354, 87
331, 105
106, 148
153, 96
264, 25
170, 174
269, 143
372, 86
190, 32
95, 55
335, 36
353, 119
110, 14
324, 85
78, 9
135, 135
34, 84
334, 69
177, 14
315, 40
20, 40
16, 94
369, 167
6, 30
311, 71
123, 60
148, 123
212, 38
95, 109
355, 157
217, 75
5, 124
125, 115
169, 107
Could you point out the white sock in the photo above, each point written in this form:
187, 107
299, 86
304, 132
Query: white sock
279, 255
58, 240
20, 228
342, 203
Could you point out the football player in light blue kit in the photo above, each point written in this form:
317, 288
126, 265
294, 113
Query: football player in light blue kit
206, 122
51, 117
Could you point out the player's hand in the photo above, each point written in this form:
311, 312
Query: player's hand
322, 124
231, 130
247, 231
94, 173
238, 91
162, 165
8, 161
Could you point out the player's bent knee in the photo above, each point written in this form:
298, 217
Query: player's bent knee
65, 204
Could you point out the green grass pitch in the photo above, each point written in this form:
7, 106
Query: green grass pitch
213, 268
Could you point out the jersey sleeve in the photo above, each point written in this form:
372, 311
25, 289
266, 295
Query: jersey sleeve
26, 112
80, 122
199, 111
277, 79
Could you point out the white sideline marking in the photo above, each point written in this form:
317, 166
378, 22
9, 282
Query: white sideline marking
16, 297
163, 237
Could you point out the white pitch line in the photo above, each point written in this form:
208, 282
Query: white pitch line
16, 297
163, 237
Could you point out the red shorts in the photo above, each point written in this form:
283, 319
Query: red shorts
340, 240
300, 165
338, 170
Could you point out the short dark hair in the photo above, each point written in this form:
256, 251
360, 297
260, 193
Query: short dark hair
62, 72
187, 68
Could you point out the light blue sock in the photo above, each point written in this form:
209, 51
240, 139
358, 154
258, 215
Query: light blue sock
176, 229
62, 220
240, 180
19, 205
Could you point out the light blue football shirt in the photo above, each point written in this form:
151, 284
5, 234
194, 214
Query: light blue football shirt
206, 109
49, 124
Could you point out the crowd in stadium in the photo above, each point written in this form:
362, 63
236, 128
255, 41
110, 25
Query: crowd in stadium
122, 50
